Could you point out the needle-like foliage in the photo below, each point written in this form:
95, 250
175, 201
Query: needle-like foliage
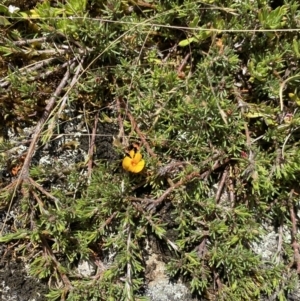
200, 96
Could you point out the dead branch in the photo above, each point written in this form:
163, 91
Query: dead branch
186, 179
280, 242
92, 144
26, 70
52, 123
148, 218
202, 248
49, 72
221, 185
25, 169
231, 192
24, 173
128, 266
183, 64
31, 41
120, 121
141, 135
43, 191
171, 50
139, 132
107, 222
39, 201
49, 252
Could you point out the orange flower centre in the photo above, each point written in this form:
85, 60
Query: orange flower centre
134, 162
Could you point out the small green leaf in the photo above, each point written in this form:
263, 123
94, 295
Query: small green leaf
195, 22
296, 47
4, 21
75, 7
187, 42
3, 9
295, 98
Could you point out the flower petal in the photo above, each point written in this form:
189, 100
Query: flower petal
126, 163
137, 167
131, 153
137, 158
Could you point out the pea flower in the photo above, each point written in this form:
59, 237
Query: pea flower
13, 9
134, 162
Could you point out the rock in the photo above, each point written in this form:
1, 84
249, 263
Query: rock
86, 268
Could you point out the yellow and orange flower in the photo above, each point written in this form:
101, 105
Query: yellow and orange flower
134, 162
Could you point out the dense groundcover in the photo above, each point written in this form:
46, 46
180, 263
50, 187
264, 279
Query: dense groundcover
201, 97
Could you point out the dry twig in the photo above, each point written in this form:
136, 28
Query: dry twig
59, 269
25, 170
221, 185
92, 144
139, 132
148, 218
24, 173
